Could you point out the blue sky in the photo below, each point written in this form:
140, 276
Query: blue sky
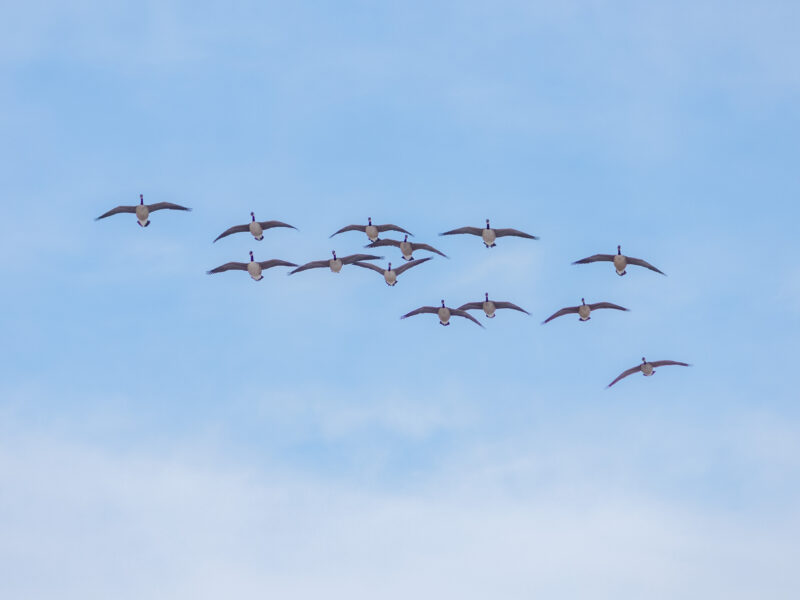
164, 433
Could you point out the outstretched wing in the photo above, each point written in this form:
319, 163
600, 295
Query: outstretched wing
403, 268
415, 247
367, 265
231, 266
350, 228
597, 305
642, 263
470, 230
511, 306
275, 262
594, 258
564, 311
378, 243
514, 232
316, 264
115, 211
471, 306
421, 310
232, 230
163, 205
389, 227
349, 260
624, 374
462, 313
271, 224
663, 363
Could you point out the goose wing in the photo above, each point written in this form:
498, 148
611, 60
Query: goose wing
315, 264
271, 224
367, 265
597, 305
378, 243
514, 232
624, 374
470, 230
275, 262
594, 258
232, 230
511, 306
403, 268
231, 266
663, 363
115, 211
390, 227
427, 247
564, 311
462, 313
350, 228
349, 260
421, 310
471, 306
642, 263
163, 205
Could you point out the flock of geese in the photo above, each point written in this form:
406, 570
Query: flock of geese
488, 235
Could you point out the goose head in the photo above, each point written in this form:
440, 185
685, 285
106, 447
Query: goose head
251, 256
583, 301
405, 239
619, 249
253, 216
369, 221
443, 306
487, 224
141, 198
334, 254
390, 267
487, 296
644, 360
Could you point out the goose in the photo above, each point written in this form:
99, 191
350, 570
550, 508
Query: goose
489, 235
444, 313
490, 306
371, 230
582, 311
647, 368
406, 247
254, 227
335, 263
389, 274
253, 267
142, 210
620, 261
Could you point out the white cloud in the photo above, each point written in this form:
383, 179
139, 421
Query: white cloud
79, 521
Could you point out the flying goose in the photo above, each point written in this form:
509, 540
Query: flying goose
489, 235
444, 313
406, 247
335, 263
390, 274
254, 227
620, 261
647, 368
142, 210
371, 230
253, 267
490, 306
582, 311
